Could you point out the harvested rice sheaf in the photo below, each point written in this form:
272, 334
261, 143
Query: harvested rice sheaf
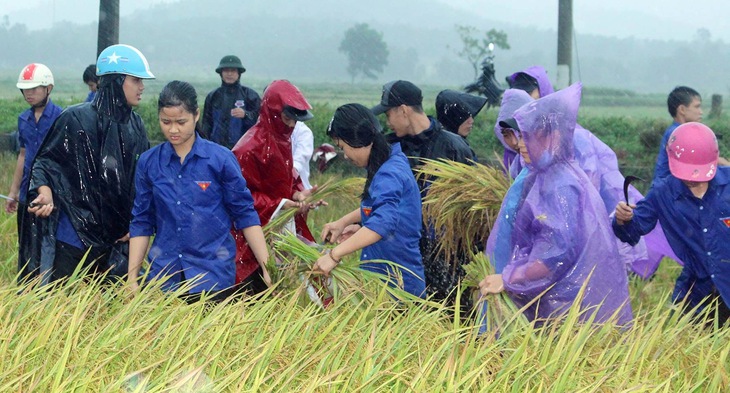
462, 203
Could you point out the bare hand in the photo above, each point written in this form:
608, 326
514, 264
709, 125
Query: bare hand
301, 196
721, 161
332, 231
123, 239
347, 232
43, 204
11, 206
624, 213
132, 287
492, 284
238, 112
266, 277
325, 264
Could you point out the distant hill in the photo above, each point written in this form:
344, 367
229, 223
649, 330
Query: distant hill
299, 41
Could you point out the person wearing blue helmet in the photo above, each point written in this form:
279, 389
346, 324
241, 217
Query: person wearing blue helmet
82, 179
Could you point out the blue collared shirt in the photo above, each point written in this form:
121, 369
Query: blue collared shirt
191, 207
31, 136
393, 211
662, 161
698, 229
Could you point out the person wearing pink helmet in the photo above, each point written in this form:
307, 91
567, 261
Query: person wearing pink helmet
693, 207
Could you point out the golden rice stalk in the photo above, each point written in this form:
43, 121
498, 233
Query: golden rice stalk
294, 268
495, 313
462, 203
350, 187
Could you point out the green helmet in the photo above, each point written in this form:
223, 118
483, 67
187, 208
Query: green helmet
230, 61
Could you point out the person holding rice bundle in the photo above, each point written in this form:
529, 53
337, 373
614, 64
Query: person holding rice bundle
190, 192
390, 207
561, 241
264, 154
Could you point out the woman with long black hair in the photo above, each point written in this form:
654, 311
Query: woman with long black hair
387, 226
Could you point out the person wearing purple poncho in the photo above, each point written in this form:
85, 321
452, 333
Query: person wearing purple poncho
599, 162
533, 80
512, 99
562, 238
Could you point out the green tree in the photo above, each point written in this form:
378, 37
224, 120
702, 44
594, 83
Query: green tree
366, 51
475, 44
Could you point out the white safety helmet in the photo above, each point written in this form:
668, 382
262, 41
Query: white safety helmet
34, 75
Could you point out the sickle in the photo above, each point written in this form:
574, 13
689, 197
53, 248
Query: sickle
628, 181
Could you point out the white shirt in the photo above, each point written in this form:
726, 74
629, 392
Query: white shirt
302, 146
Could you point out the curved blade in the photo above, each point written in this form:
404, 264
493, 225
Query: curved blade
627, 182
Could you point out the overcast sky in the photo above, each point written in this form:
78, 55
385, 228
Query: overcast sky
667, 19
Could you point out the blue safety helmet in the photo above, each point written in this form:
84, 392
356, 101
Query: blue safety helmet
123, 59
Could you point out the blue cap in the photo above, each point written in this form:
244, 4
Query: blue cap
123, 59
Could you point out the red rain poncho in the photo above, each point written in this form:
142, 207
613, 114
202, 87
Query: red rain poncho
265, 156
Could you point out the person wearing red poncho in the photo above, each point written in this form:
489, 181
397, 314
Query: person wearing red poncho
265, 156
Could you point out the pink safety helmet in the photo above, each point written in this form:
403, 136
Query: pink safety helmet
693, 152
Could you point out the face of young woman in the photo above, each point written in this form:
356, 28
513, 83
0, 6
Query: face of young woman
178, 126
510, 138
523, 150
133, 88
358, 155
465, 127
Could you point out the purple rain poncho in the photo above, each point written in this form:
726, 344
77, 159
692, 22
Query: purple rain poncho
545, 87
599, 162
540, 75
562, 236
512, 99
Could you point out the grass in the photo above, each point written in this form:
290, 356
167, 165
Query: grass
85, 337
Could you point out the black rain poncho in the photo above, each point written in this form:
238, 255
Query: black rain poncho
88, 160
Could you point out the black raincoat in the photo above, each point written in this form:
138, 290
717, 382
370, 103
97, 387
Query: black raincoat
437, 143
88, 159
217, 124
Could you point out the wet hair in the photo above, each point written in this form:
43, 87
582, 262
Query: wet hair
681, 95
357, 126
90, 74
178, 93
524, 82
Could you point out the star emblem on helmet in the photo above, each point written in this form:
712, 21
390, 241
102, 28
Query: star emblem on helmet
113, 58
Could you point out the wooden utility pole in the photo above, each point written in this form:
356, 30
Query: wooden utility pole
565, 43
108, 24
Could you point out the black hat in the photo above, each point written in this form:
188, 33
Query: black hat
454, 107
230, 61
509, 123
523, 81
397, 93
297, 114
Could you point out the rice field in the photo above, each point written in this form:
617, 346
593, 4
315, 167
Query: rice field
88, 337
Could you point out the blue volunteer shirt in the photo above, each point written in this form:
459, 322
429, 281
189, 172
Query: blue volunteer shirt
30, 135
393, 211
697, 229
662, 161
190, 207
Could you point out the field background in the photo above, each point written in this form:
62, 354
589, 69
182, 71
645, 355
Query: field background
81, 338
